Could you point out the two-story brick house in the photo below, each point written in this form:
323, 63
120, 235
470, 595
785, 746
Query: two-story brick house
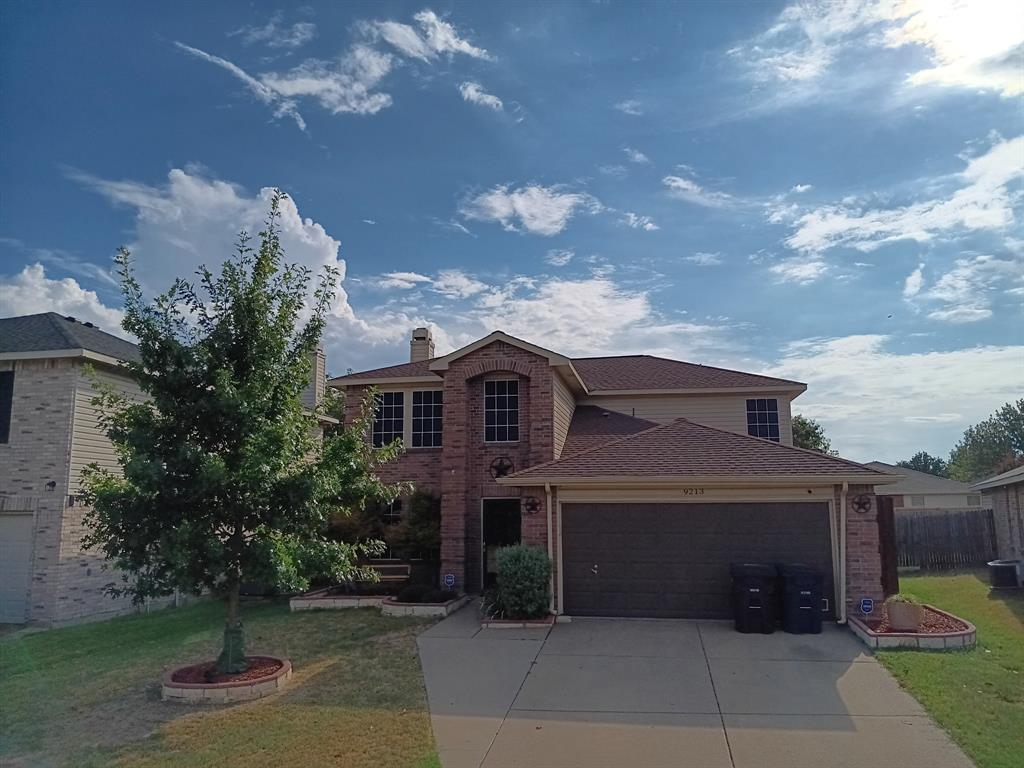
642, 477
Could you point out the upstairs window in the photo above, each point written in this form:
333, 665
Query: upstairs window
763, 418
501, 411
388, 418
6, 404
391, 514
427, 418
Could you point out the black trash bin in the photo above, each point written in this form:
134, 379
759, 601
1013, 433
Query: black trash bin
753, 594
801, 594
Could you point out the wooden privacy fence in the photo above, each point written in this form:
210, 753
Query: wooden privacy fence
945, 540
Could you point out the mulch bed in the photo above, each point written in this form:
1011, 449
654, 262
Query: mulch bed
259, 666
934, 623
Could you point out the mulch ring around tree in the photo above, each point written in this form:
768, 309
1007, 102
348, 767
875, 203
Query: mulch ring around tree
259, 667
933, 623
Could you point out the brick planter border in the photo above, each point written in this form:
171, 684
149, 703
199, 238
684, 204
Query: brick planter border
226, 693
546, 623
932, 641
391, 607
321, 599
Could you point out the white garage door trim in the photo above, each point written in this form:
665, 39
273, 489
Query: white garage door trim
17, 545
686, 494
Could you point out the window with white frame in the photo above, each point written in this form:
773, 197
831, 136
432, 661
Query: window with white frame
388, 418
427, 418
763, 418
501, 411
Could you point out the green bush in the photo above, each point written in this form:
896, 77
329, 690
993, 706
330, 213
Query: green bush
524, 575
439, 596
413, 593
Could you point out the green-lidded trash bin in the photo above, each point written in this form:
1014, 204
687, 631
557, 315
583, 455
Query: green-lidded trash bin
753, 593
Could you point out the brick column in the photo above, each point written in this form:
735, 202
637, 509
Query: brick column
453, 480
863, 558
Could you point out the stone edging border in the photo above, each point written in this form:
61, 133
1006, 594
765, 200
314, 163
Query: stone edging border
546, 623
391, 607
941, 641
321, 598
223, 693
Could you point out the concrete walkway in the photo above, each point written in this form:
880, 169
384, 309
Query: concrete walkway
599, 692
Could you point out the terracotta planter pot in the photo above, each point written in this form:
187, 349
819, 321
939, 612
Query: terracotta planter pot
905, 617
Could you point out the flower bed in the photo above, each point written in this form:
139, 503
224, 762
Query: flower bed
198, 684
393, 607
331, 597
939, 631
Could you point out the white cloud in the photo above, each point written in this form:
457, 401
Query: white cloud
630, 107
692, 192
615, 171
799, 269
31, 292
401, 280
434, 37
965, 292
456, 284
705, 259
559, 257
974, 44
277, 36
637, 221
798, 189
475, 94
636, 156
912, 285
534, 208
985, 200
860, 390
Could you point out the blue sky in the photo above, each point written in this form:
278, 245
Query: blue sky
828, 192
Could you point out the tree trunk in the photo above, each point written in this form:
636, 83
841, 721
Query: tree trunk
232, 656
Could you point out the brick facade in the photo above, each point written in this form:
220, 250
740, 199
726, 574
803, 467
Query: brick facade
863, 559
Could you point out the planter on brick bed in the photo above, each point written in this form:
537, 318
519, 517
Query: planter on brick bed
329, 598
939, 631
266, 675
392, 607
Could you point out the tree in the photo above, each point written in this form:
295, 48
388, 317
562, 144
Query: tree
990, 447
923, 461
808, 433
224, 477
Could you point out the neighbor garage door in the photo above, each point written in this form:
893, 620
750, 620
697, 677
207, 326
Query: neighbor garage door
672, 560
15, 560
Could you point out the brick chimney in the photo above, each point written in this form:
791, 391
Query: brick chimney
422, 345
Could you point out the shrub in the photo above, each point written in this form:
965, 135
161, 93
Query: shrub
413, 593
439, 596
903, 597
523, 580
418, 535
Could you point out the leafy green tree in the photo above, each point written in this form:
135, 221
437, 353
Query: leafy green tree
923, 461
419, 532
990, 447
224, 476
808, 433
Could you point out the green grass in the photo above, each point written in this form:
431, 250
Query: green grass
976, 695
90, 695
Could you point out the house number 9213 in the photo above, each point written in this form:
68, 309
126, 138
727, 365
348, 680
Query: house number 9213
693, 491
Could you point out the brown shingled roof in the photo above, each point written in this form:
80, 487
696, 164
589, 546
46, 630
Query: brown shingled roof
592, 426
683, 448
419, 368
631, 372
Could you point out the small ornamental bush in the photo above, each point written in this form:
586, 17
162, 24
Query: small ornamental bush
903, 597
523, 592
439, 596
413, 593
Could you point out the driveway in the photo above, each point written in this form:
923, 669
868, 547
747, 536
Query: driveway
607, 692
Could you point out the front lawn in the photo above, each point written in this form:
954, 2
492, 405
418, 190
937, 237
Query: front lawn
90, 695
977, 695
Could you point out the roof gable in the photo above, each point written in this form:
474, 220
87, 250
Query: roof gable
441, 363
684, 449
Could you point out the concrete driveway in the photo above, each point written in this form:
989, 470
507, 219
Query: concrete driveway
606, 692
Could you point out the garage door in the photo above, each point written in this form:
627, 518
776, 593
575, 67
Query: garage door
672, 560
15, 561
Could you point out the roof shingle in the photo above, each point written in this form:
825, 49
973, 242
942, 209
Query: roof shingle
914, 482
592, 426
644, 372
400, 371
50, 332
684, 448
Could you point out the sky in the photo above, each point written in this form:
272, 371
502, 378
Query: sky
830, 192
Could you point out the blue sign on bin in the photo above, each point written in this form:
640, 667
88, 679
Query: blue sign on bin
449, 580
867, 605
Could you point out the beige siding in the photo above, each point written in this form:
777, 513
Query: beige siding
314, 393
564, 407
915, 501
727, 412
88, 443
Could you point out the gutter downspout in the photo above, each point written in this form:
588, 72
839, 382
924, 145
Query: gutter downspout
551, 578
842, 553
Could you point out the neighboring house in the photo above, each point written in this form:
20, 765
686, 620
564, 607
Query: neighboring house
1003, 493
920, 492
642, 477
48, 434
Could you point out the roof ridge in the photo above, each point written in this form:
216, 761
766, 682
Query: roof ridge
58, 320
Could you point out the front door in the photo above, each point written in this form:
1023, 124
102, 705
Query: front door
502, 527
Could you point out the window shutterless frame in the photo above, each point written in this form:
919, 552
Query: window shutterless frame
427, 418
388, 418
501, 411
763, 418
